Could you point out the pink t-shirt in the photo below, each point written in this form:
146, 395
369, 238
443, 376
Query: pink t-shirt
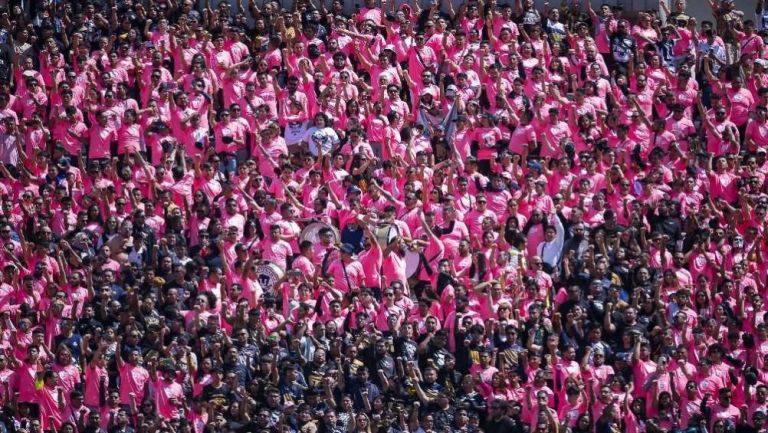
69, 377
347, 277
372, 261
24, 382
168, 398
101, 139
93, 377
129, 138
132, 380
48, 401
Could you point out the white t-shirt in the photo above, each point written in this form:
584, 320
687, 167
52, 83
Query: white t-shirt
294, 132
324, 138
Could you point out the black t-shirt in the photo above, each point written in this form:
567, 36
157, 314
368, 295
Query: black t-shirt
87, 326
218, 396
567, 306
406, 348
451, 380
503, 425
473, 401
313, 373
387, 364
437, 354
6, 62
444, 417
740, 428
611, 231
624, 327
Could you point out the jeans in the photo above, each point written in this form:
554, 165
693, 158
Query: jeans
228, 164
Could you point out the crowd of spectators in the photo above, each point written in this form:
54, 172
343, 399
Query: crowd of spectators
385, 217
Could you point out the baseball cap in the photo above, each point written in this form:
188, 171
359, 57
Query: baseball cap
534, 165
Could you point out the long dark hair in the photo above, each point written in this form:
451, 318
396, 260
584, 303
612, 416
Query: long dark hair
530, 223
578, 429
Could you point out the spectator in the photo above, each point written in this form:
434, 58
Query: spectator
456, 217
